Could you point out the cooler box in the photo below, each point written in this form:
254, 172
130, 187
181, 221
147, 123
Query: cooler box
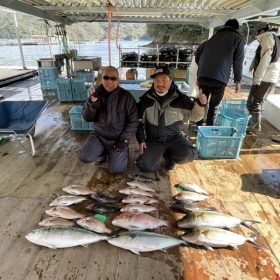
272, 110
218, 142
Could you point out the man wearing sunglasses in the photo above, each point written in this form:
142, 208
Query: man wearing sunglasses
113, 112
163, 112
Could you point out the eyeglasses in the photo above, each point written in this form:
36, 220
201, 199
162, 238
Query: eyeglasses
110, 78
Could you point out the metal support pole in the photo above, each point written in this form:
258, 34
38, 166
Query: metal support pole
19, 42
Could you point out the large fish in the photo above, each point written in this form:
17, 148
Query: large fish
141, 185
63, 237
140, 177
77, 190
191, 187
136, 191
102, 208
210, 237
186, 206
66, 200
55, 221
138, 208
139, 199
139, 221
213, 219
64, 212
141, 241
103, 198
190, 196
93, 224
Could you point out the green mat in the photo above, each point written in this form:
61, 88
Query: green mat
4, 138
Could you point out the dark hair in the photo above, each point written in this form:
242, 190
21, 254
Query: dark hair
233, 23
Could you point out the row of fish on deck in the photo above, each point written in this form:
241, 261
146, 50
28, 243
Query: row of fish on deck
202, 225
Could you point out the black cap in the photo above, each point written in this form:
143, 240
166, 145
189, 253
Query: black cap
163, 70
263, 26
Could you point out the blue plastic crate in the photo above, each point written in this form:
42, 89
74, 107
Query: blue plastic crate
218, 142
86, 76
79, 92
48, 72
238, 105
64, 90
48, 84
77, 120
233, 118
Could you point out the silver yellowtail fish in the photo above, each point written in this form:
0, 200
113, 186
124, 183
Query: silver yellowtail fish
191, 187
187, 206
77, 190
63, 237
138, 208
136, 191
141, 185
210, 237
140, 177
66, 200
213, 219
142, 241
191, 196
55, 221
93, 224
139, 221
64, 212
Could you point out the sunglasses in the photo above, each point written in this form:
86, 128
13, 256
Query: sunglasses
110, 78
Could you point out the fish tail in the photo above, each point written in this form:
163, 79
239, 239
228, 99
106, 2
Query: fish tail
253, 239
249, 223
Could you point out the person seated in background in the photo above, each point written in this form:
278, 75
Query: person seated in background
163, 110
113, 112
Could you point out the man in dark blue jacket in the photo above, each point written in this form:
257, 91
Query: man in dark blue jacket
223, 50
113, 112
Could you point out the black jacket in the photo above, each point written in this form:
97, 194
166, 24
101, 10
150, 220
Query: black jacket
223, 50
115, 116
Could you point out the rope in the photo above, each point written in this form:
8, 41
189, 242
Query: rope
109, 32
118, 35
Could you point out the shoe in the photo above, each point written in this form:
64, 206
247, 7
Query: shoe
170, 165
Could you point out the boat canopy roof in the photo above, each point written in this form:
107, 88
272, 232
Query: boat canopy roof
207, 13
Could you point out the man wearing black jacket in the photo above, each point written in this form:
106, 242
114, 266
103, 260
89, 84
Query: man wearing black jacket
163, 113
113, 112
223, 50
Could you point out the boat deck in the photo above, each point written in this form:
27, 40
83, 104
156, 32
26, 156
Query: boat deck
10, 75
247, 187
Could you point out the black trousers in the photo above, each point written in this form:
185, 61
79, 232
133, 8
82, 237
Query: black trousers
177, 149
94, 148
216, 89
257, 96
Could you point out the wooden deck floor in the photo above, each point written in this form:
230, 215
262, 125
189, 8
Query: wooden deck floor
247, 187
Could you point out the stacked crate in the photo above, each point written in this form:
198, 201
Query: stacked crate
77, 120
48, 77
224, 140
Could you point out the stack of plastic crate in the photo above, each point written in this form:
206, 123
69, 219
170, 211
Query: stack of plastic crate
48, 77
224, 140
88, 76
78, 87
77, 120
64, 90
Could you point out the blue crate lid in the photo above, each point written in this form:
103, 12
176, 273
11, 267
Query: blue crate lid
76, 110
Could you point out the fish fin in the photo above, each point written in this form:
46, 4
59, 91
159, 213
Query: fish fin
253, 239
213, 209
208, 247
249, 223
134, 251
233, 247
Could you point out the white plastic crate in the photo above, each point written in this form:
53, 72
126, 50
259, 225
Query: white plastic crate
272, 110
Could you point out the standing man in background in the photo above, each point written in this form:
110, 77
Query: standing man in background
223, 50
266, 69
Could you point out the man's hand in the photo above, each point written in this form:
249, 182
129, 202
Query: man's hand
120, 145
142, 148
202, 98
237, 87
